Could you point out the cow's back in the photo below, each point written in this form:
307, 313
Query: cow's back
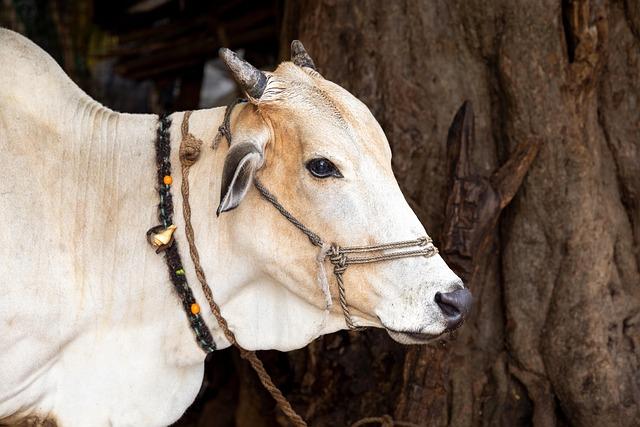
33, 92
78, 320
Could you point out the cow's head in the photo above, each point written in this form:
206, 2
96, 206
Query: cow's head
321, 152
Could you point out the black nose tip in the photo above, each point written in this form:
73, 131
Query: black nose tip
455, 306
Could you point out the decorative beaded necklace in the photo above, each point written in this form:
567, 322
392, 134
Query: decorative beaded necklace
161, 237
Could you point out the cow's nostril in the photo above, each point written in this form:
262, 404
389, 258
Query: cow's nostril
455, 306
448, 309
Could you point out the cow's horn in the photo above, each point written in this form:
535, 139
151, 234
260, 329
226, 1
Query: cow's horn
299, 55
250, 79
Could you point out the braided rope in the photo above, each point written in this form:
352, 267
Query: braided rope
420, 241
339, 261
394, 255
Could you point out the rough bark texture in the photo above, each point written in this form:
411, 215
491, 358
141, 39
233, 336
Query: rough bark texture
555, 335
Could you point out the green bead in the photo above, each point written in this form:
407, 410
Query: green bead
180, 272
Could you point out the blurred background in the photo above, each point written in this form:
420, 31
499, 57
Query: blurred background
554, 338
150, 56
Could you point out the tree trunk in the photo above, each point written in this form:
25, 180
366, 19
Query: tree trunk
554, 338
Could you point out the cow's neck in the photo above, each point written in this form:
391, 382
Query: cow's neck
209, 237
115, 154
251, 301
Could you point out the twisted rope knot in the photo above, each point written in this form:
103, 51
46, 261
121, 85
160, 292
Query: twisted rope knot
190, 149
338, 259
190, 145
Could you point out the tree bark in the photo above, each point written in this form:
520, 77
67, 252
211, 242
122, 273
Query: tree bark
554, 338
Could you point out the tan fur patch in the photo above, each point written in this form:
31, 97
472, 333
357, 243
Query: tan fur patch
284, 170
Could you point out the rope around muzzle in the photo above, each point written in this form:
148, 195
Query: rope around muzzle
190, 149
339, 256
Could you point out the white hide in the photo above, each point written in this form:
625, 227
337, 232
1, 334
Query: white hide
91, 331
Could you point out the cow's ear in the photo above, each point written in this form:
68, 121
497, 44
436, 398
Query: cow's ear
241, 163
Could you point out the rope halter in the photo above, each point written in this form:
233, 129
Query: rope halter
340, 256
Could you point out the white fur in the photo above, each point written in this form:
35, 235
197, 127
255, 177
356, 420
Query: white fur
92, 333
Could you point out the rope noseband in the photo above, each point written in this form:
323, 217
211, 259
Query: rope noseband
340, 256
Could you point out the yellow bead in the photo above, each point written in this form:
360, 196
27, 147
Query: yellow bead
195, 308
167, 180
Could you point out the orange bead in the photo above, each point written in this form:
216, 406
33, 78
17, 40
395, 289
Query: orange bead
195, 308
167, 180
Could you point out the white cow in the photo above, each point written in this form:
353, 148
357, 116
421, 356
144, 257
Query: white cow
92, 332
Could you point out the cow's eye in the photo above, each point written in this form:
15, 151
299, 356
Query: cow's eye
323, 168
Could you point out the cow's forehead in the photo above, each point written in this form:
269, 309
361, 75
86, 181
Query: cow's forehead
319, 108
